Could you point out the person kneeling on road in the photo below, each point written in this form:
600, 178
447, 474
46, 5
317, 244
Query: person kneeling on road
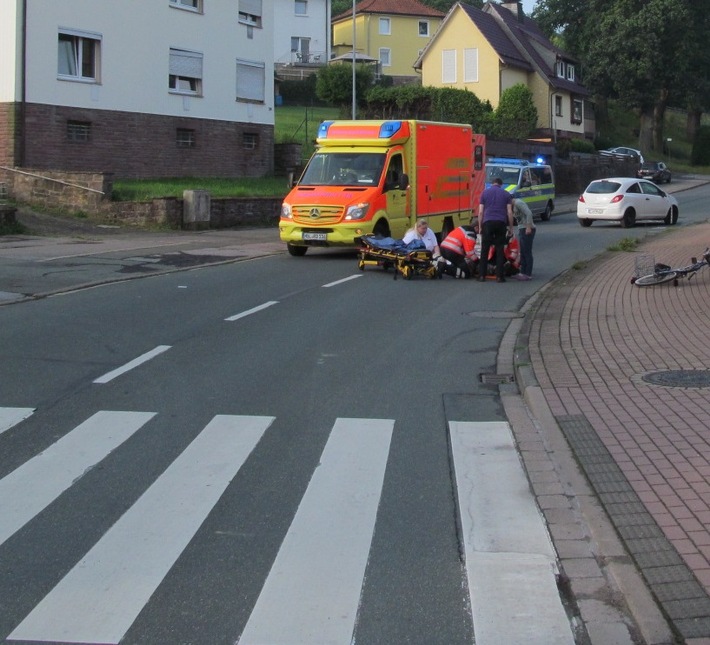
457, 249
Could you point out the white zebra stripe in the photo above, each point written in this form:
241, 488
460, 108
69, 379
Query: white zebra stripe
312, 592
38, 482
510, 560
99, 599
10, 417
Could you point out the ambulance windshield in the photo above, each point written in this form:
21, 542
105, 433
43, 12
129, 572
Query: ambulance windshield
344, 169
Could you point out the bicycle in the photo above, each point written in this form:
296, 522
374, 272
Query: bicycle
664, 273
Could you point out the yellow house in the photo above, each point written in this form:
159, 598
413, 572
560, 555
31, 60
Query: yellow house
488, 50
393, 32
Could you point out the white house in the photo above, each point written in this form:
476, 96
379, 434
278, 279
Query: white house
301, 31
141, 89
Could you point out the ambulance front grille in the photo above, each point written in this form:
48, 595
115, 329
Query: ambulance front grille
317, 215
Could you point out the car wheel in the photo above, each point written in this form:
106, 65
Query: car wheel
586, 223
669, 216
674, 216
547, 213
629, 219
668, 181
296, 251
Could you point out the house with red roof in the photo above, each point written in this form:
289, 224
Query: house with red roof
393, 32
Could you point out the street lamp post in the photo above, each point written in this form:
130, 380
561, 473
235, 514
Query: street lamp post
354, 101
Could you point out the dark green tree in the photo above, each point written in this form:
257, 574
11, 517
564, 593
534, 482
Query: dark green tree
335, 83
516, 115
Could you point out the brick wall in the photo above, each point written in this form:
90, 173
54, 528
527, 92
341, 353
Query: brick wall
131, 145
8, 131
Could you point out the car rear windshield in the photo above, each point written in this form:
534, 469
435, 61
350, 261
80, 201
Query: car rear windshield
603, 187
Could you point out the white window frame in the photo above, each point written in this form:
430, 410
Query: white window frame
185, 72
250, 13
300, 4
425, 24
558, 105
560, 69
470, 65
385, 56
448, 66
576, 111
251, 84
70, 57
570, 72
385, 26
188, 5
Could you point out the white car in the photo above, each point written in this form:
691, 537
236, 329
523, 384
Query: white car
625, 200
623, 152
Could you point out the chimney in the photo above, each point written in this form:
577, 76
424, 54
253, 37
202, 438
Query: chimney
516, 8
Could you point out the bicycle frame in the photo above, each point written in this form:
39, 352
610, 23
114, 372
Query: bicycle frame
663, 273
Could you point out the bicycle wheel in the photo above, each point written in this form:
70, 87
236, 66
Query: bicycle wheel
656, 278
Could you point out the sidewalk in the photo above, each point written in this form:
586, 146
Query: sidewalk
617, 439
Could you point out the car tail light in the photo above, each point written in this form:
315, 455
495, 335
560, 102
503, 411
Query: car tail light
617, 199
581, 198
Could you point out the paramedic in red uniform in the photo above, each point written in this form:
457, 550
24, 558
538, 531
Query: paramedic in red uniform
457, 249
494, 211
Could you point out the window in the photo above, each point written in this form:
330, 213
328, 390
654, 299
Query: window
570, 72
385, 26
576, 111
560, 69
301, 47
250, 81
423, 27
558, 106
448, 66
78, 55
301, 8
470, 65
385, 57
185, 138
79, 131
250, 12
185, 72
250, 140
195, 5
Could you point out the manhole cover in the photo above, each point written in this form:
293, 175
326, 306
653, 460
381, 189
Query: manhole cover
679, 378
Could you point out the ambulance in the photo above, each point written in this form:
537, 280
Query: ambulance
531, 182
378, 178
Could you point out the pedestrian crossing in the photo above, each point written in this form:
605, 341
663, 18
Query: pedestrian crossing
312, 592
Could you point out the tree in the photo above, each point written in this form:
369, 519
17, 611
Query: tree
335, 83
516, 115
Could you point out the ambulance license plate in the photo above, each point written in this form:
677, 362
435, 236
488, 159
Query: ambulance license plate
310, 236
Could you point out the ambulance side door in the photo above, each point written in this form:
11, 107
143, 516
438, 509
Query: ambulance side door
397, 195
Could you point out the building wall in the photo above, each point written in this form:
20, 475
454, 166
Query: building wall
9, 26
404, 42
132, 113
458, 34
314, 26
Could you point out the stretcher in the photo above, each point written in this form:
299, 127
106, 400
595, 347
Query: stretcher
407, 260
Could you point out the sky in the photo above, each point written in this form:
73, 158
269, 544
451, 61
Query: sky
528, 6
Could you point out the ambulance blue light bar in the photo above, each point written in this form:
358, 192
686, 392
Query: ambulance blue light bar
389, 129
323, 129
509, 162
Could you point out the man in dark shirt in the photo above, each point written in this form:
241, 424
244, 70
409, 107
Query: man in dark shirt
494, 212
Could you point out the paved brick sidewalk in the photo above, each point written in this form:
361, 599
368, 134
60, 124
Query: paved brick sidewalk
597, 343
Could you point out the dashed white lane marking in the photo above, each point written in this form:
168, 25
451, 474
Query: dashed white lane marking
352, 277
253, 310
143, 358
99, 599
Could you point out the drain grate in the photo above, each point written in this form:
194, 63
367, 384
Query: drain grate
496, 379
679, 378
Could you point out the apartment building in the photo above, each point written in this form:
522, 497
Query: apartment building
140, 89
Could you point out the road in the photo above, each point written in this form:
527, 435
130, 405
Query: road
275, 450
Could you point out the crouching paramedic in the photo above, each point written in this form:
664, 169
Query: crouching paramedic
457, 249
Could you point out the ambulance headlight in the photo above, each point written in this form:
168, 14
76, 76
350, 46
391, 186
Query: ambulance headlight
357, 211
286, 211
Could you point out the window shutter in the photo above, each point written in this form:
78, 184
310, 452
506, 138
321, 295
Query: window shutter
186, 64
470, 65
448, 66
250, 81
252, 7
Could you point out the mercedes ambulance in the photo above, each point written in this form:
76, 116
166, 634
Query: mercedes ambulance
379, 177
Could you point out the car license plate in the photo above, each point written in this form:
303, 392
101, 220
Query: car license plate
310, 236
595, 211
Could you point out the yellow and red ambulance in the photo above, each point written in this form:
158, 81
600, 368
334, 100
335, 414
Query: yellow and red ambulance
379, 177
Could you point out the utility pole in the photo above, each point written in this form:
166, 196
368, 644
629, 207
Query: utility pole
354, 34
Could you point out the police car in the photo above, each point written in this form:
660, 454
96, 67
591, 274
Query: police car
531, 182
